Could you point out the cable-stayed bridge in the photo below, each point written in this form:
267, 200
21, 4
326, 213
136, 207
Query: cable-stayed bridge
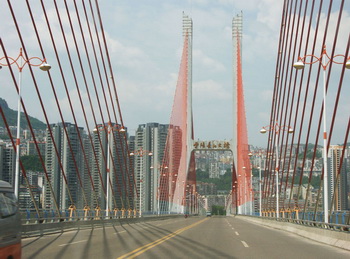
94, 175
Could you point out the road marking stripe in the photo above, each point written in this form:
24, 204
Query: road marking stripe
233, 228
119, 232
73, 243
236, 233
144, 248
245, 244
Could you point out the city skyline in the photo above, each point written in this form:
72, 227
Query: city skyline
149, 137
128, 126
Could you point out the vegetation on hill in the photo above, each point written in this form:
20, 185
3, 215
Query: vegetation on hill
32, 163
222, 183
310, 152
11, 118
218, 210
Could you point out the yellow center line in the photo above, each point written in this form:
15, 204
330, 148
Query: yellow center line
144, 248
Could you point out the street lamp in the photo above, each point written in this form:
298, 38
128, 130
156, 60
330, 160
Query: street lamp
300, 64
259, 155
245, 191
276, 128
110, 127
20, 61
141, 153
158, 174
347, 64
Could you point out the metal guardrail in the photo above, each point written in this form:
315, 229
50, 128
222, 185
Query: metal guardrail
309, 223
61, 225
30, 216
318, 224
338, 217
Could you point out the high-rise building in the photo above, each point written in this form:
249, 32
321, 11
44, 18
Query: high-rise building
338, 189
150, 137
110, 154
214, 170
132, 176
206, 188
67, 146
32, 150
7, 163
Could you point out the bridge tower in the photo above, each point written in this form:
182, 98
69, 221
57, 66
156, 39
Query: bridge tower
177, 187
241, 170
187, 33
237, 24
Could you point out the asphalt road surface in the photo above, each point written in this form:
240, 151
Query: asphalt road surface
194, 237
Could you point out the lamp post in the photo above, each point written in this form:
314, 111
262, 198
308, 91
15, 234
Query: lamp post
109, 128
240, 191
235, 191
141, 153
260, 199
183, 198
276, 128
251, 192
158, 184
300, 64
20, 61
245, 191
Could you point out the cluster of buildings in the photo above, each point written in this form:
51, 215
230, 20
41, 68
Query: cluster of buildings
338, 181
78, 165
215, 162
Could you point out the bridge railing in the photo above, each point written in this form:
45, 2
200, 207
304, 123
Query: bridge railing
338, 217
49, 222
337, 220
30, 216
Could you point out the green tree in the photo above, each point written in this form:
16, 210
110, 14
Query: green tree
32, 163
223, 183
310, 152
218, 210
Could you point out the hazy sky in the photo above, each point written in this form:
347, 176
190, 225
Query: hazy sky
146, 40
145, 43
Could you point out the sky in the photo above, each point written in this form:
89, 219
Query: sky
145, 44
146, 40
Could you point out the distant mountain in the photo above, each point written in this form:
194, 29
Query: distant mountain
11, 118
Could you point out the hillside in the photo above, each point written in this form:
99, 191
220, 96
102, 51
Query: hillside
11, 118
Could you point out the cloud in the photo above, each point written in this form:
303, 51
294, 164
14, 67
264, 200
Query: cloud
145, 45
129, 56
210, 91
204, 60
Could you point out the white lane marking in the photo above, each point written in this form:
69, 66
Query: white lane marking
237, 234
30, 238
119, 232
245, 244
73, 243
233, 228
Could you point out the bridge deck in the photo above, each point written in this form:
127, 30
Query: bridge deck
194, 237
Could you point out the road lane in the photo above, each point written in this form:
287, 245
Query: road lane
108, 242
216, 239
179, 238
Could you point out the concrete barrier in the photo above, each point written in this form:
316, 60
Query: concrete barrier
322, 235
40, 229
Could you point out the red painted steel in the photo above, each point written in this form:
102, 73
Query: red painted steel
243, 162
174, 182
